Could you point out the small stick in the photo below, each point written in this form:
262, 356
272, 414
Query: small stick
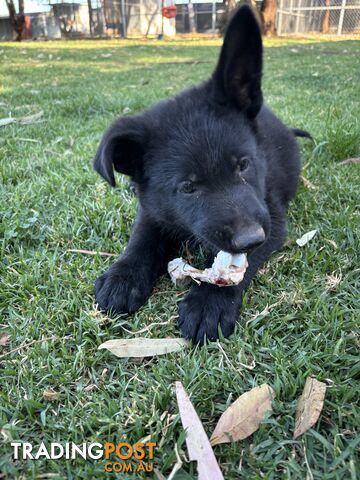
92, 252
28, 344
307, 183
349, 161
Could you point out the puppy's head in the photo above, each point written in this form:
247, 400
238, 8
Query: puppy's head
196, 159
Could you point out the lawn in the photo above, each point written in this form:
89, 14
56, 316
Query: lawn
300, 315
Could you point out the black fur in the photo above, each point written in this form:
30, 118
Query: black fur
212, 165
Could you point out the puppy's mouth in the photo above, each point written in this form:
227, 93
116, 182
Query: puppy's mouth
247, 250
235, 253
216, 247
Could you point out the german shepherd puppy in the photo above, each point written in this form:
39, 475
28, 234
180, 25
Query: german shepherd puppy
212, 165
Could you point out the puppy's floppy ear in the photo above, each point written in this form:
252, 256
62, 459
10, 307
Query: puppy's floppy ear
122, 147
237, 77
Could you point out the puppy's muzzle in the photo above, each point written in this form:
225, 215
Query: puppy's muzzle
247, 238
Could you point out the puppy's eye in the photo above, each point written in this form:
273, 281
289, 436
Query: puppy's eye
187, 187
242, 164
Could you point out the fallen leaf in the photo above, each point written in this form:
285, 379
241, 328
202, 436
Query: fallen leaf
31, 118
6, 121
309, 405
348, 161
197, 442
244, 416
4, 339
306, 238
143, 347
50, 395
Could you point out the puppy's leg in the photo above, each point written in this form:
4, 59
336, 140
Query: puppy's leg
206, 307
127, 284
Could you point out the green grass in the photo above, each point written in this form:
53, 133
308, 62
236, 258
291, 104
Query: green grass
52, 201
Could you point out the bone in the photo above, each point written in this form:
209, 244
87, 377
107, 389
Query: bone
227, 270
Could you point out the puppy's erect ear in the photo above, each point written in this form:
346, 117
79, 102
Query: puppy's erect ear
122, 147
237, 77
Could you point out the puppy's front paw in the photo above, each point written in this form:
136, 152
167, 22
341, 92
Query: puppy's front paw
124, 288
204, 311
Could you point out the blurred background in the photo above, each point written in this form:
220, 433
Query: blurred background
54, 19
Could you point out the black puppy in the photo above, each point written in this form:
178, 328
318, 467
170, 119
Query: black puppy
212, 165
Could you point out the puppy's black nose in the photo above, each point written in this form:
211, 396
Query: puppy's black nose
248, 238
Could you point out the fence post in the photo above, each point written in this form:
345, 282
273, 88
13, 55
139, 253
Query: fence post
298, 13
279, 26
213, 17
123, 14
341, 19
191, 14
102, 16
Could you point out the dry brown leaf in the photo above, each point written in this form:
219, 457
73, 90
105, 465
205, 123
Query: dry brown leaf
309, 405
348, 161
244, 416
4, 339
197, 442
144, 347
50, 395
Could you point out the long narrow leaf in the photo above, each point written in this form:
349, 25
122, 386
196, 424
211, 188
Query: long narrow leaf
197, 442
143, 347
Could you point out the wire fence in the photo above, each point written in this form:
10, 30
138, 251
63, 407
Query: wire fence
126, 18
321, 16
129, 18
145, 18
206, 17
